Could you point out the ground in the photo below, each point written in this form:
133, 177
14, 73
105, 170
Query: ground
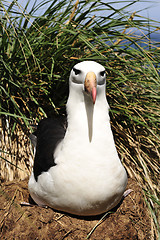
130, 220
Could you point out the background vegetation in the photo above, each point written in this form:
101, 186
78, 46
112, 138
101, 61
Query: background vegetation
37, 52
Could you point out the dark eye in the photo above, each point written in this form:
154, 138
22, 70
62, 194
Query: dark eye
76, 71
102, 73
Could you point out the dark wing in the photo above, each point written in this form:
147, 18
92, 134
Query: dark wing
49, 133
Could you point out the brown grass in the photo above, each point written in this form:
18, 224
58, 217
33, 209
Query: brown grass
16, 154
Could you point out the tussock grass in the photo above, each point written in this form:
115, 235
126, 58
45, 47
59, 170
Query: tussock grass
38, 52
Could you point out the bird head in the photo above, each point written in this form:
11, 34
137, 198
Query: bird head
90, 77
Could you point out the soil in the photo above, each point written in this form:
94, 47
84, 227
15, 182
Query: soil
129, 220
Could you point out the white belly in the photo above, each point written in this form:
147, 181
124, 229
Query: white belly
80, 188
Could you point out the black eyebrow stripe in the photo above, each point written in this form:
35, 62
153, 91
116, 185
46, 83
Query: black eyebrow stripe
102, 73
77, 71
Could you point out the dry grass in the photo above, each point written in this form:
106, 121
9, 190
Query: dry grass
16, 154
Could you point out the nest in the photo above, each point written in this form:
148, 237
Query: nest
129, 220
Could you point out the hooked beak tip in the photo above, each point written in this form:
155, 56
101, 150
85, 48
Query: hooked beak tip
94, 94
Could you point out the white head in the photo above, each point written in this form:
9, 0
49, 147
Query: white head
88, 78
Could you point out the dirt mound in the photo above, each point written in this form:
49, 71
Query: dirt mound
130, 220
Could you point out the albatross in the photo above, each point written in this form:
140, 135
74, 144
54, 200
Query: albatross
77, 169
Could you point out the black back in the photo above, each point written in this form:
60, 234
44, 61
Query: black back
49, 133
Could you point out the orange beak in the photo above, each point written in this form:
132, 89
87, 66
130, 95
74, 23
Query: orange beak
90, 85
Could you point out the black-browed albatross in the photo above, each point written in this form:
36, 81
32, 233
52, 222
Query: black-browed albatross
78, 170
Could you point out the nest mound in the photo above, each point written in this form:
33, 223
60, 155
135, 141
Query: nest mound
129, 220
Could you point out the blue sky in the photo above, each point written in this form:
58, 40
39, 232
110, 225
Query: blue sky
152, 8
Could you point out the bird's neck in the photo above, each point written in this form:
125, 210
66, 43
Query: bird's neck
87, 120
